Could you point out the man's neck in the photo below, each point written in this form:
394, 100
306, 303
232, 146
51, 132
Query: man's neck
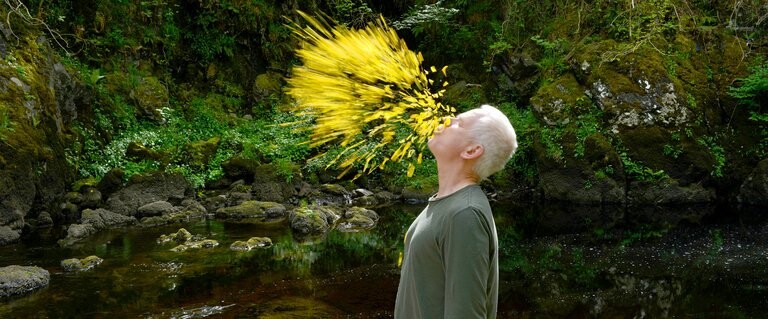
452, 180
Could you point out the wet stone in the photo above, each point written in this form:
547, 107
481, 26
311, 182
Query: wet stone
18, 280
87, 263
253, 242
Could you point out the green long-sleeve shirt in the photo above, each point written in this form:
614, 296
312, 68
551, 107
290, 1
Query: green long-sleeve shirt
450, 260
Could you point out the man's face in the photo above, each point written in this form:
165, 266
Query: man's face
454, 138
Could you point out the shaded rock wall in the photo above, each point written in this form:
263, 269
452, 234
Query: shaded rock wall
648, 128
39, 100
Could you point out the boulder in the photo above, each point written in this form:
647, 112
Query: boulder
240, 168
111, 182
102, 218
200, 153
252, 209
668, 192
189, 210
44, 220
91, 198
754, 189
157, 208
18, 280
149, 188
270, 186
366, 201
330, 194
8, 235
151, 96
93, 221
357, 219
313, 219
179, 237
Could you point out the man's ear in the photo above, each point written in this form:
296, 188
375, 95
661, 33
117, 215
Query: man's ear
472, 151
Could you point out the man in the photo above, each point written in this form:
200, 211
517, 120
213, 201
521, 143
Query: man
450, 261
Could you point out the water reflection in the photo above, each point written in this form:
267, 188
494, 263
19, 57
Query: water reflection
556, 261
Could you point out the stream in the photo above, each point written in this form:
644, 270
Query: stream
609, 262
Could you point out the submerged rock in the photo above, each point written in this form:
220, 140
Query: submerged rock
253, 242
357, 219
87, 263
180, 236
195, 244
186, 240
17, 280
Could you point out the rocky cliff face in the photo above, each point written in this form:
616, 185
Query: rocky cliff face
38, 101
647, 128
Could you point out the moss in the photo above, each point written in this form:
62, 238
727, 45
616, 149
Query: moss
558, 102
88, 181
200, 153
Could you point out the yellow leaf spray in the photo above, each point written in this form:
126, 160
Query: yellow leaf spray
357, 87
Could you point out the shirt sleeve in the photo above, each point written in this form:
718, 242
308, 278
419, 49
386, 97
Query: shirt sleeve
466, 252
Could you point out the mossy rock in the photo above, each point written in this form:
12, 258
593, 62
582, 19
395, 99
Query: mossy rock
312, 220
267, 84
252, 209
19, 280
85, 264
196, 244
138, 152
88, 181
181, 236
557, 102
151, 96
601, 155
464, 94
251, 243
200, 153
239, 167
646, 145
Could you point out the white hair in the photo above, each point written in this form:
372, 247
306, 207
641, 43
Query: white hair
495, 133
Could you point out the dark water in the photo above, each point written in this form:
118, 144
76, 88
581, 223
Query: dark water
557, 262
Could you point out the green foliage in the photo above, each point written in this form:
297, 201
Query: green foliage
718, 153
444, 36
525, 124
585, 120
586, 125
753, 90
259, 140
673, 151
643, 19
753, 93
6, 124
416, 18
353, 13
552, 139
638, 170
210, 44
553, 58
